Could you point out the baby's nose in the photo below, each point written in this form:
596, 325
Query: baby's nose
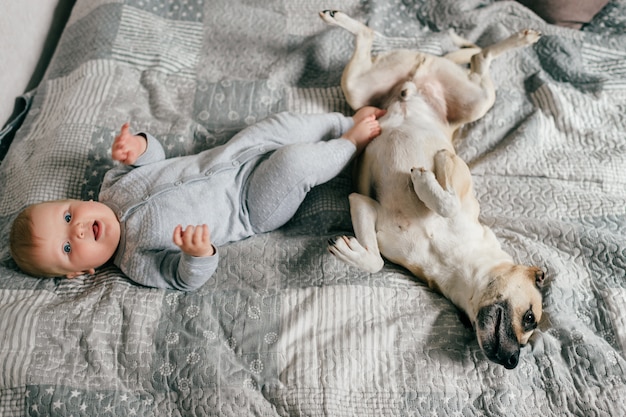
79, 230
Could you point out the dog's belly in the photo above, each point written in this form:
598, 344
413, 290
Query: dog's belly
408, 233
388, 160
432, 247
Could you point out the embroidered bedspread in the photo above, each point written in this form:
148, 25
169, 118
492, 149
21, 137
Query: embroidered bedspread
283, 328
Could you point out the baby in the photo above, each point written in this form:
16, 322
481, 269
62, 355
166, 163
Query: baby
252, 184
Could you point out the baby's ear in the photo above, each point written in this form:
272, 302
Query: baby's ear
71, 275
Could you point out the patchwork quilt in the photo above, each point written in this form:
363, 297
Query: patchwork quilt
283, 328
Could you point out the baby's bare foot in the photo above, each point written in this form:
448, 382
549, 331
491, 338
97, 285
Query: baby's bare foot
363, 132
367, 111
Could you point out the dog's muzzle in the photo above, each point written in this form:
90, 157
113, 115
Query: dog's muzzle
496, 335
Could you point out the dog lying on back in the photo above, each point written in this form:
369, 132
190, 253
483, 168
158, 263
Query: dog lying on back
415, 203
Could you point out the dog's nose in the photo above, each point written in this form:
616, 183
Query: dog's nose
512, 361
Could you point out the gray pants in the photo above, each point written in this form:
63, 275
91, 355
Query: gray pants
280, 182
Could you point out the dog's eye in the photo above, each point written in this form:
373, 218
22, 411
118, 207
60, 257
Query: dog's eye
529, 320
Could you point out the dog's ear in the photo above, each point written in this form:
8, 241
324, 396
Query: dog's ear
539, 278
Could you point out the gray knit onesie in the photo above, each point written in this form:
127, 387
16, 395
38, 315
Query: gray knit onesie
252, 184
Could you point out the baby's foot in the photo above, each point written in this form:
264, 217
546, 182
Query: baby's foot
367, 111
363, 132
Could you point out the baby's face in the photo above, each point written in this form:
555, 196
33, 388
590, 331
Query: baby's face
75, 236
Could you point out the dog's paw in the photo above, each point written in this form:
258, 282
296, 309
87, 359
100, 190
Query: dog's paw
420, 174
350, 251
530, 36
337, 18
328, 16
423, 181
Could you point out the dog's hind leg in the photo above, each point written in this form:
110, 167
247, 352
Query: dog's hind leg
354, 82
464, 55
469, 101
337, 18
362, 250
480, 63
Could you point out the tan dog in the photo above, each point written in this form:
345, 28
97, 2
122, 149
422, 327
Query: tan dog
415, 203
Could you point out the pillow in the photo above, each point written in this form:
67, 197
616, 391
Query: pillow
567, 13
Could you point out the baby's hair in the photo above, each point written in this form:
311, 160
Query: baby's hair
24, 245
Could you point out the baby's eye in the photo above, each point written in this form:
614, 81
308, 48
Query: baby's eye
67, 248
67, 217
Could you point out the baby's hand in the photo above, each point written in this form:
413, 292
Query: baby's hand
194, 240
127, 147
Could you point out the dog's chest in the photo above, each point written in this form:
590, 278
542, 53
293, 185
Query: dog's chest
391, 156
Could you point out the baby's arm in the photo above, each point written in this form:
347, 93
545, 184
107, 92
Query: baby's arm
198, 261
127, 148
180, 270
194, 240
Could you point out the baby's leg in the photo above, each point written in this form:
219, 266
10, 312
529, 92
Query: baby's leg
280, 183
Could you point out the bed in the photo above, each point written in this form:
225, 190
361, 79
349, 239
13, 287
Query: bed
283, 328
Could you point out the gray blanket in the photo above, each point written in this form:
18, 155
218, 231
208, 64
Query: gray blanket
283, 328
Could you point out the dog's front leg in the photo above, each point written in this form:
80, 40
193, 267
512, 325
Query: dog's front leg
441, 190
362, 250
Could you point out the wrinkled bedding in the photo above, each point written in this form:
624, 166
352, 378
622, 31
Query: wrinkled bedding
283, 328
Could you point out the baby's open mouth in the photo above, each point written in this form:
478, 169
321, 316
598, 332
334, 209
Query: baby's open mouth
96, 230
